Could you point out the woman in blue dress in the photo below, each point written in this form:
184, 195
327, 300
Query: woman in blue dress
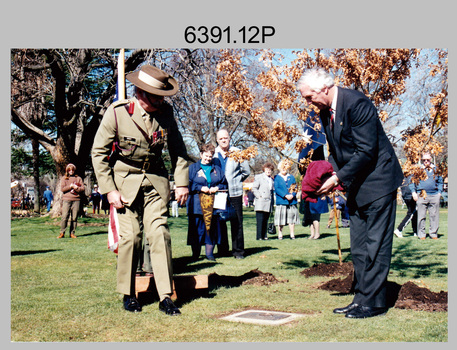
286, 212
206, 177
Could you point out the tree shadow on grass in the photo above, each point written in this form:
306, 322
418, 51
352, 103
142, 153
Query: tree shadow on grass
186, 288
326, 235
408, 259
215, 282
257, 250
335, 251
186, 264
31, 252
303, 264
105, 232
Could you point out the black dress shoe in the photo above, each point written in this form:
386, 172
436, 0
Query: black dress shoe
131, 304
366, 311
346, 309
167, 306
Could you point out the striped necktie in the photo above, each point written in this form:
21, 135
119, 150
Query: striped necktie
332, 117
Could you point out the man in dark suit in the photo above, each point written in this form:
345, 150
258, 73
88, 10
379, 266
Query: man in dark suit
365, 164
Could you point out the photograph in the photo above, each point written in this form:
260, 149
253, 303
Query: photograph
240, 179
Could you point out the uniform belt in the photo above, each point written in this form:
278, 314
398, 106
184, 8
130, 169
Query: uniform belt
139, 164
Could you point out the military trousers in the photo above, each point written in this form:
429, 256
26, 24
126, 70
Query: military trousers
148, 212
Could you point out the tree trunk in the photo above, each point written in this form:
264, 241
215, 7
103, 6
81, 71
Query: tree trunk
56, 210
36, 174
61, 158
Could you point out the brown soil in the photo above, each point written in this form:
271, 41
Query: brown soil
253, 277
340, 285
408, 296
414, 297
328, 270
263, 279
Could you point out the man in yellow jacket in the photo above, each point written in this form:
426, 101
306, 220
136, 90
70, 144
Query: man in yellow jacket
127, 159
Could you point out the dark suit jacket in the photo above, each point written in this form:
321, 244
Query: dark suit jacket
360, 152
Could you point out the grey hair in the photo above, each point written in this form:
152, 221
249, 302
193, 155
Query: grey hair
316, 78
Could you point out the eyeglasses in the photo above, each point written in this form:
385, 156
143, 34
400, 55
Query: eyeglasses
426, 160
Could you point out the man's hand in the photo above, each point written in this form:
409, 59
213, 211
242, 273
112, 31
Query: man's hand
116, 199
415, 196
328, 185
181, 194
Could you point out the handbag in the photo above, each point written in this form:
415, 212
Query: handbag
271, 228
229, 212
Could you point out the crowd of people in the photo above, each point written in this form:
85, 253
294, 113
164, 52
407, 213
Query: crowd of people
360, 188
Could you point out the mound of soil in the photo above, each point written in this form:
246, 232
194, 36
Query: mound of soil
328, 270
408, 296
413, 297
263, 279
254, 277
340, 285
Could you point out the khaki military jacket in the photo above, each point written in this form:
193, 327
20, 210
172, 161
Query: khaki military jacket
133, 145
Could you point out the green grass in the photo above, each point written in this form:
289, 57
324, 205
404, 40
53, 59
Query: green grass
64, 290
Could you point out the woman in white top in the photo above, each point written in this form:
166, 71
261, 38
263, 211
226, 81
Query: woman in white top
263, 190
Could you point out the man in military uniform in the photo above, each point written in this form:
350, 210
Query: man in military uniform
127, 159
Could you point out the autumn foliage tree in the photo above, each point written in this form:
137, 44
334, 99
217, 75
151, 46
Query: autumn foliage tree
424, 137
58, 97
381, 74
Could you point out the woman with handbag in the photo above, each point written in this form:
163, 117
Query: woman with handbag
286, 212
205, 179
263, 190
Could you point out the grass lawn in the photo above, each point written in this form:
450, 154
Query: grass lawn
63, 290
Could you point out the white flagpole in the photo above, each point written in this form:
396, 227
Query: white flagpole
121, 75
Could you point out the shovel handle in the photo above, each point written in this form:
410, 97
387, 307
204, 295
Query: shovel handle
335, 211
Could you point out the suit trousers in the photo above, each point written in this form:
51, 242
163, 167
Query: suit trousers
262, 223
432, 204
411, 215
371, 235
236, 227
149, 212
